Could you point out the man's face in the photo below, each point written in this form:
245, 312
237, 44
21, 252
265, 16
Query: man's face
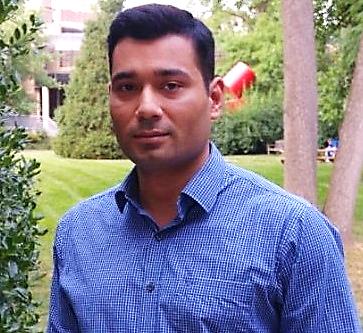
160, 108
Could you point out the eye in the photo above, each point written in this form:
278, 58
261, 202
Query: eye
125, 87
172, 86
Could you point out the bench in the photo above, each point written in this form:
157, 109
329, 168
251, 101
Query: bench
275, 148
320, 156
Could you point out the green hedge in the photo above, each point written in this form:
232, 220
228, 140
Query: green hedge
85, 129
249, 129
19, 233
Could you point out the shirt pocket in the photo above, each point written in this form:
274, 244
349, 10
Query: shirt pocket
208, 305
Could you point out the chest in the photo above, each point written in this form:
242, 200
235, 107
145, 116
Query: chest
206, 281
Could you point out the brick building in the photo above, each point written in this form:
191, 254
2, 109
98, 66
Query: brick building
64, 29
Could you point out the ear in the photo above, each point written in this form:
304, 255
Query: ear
216, 97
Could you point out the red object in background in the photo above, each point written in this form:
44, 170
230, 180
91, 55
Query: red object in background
239, 77
234, 104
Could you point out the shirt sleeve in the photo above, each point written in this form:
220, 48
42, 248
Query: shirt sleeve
61, 315
316, 293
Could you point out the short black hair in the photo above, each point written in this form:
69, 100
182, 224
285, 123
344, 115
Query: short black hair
154, 21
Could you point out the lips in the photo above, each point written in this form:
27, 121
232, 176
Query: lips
150, 134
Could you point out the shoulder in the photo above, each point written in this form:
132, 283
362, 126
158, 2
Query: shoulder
96, 204
89, 213
273, 210
257, 191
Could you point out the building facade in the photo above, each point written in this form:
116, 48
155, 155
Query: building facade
64, 23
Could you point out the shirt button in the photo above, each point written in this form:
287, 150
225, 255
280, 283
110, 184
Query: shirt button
150, 287
157, 237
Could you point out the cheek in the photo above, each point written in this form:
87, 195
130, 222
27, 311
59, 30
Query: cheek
119, 107
200, 116
120, 115
192, 109
120, 126
195, 125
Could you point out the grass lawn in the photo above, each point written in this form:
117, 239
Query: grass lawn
63, 182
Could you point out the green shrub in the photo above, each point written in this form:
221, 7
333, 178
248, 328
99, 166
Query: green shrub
84, 122
19, 233
93, 145
38, 140
248, 130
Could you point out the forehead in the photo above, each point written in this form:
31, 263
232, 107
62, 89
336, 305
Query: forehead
172, 51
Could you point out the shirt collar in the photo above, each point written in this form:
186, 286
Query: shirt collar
128, 190
203, 187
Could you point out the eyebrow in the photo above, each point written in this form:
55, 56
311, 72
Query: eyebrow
163, 72
171, 72
123, 75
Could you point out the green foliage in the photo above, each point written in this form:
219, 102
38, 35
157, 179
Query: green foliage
254, 36
33, 62
248, 130
27, 55
38, 140
333, 86
258, 44
261, 49
84, 122
257, 40
339, 25
19, 231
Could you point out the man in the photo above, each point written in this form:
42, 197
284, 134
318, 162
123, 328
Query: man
189, 243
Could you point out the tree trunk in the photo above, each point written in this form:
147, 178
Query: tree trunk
300, 98
348, 164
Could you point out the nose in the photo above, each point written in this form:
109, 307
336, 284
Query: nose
149, 105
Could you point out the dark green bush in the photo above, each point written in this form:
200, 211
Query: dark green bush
19, 232
94, 144
84, 121
38, 140
248, 130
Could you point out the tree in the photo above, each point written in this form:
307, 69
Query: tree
30, 64
300, 99
19, 231
341, 31
255, 39
247, 131
252, 35
84, 122
348, 165
339, 25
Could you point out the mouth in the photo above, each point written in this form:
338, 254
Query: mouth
151, 134
151, 138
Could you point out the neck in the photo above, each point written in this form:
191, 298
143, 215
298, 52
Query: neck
159, 190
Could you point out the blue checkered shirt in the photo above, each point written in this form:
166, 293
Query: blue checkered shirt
242, 255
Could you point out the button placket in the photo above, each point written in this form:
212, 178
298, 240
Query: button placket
153, 266
150, 287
